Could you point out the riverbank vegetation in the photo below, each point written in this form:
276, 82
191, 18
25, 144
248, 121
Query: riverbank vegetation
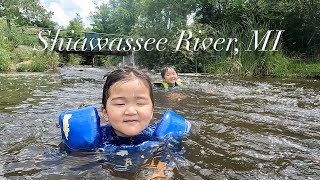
297, 53
17, 54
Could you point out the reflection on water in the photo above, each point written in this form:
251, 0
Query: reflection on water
242, 128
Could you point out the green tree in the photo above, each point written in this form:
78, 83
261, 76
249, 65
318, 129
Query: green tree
162, 19
75, 25
116, 17
26, 12
299, 19
216, 19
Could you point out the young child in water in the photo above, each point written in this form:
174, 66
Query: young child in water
169, 78
127, 104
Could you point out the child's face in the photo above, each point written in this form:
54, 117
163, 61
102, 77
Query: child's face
170, 76
129, 107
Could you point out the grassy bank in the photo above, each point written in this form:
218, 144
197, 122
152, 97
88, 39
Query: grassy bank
242, 62
16, 50
311, 70
276, 65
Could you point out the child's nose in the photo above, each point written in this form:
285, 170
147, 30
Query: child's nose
130, 110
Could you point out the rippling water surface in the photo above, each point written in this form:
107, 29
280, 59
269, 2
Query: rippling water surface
242, 128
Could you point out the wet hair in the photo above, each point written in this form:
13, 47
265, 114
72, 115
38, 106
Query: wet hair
122, 74
165, 69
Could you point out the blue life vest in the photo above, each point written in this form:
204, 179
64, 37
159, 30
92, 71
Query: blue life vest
80, 130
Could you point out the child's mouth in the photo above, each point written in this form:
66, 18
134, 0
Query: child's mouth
130, 120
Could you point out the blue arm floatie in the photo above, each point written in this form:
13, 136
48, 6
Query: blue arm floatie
80, 128
171, 124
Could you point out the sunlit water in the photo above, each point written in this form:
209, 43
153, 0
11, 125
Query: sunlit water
242, 128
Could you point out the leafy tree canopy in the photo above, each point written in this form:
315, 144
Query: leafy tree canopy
26, 12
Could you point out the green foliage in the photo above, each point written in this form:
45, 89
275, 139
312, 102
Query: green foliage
111, 60
165, 19
20, 36
278, 65
12, 52
38, 65
5, 60
9, 39
52, 59
6, 47
296, 68
116, 17
26, 12
75, 59
299, 19
38, 61
24, 68
75, 27
5, 43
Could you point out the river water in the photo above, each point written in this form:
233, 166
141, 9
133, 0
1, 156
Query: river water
241, 128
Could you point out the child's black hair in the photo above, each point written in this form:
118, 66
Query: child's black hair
122, 74
165, 69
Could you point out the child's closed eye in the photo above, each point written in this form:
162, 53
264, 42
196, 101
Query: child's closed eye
119, 103
141, 104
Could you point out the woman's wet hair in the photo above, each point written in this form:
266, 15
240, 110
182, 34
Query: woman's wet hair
165, 69
123, 74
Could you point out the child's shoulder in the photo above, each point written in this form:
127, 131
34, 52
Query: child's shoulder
179, 83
